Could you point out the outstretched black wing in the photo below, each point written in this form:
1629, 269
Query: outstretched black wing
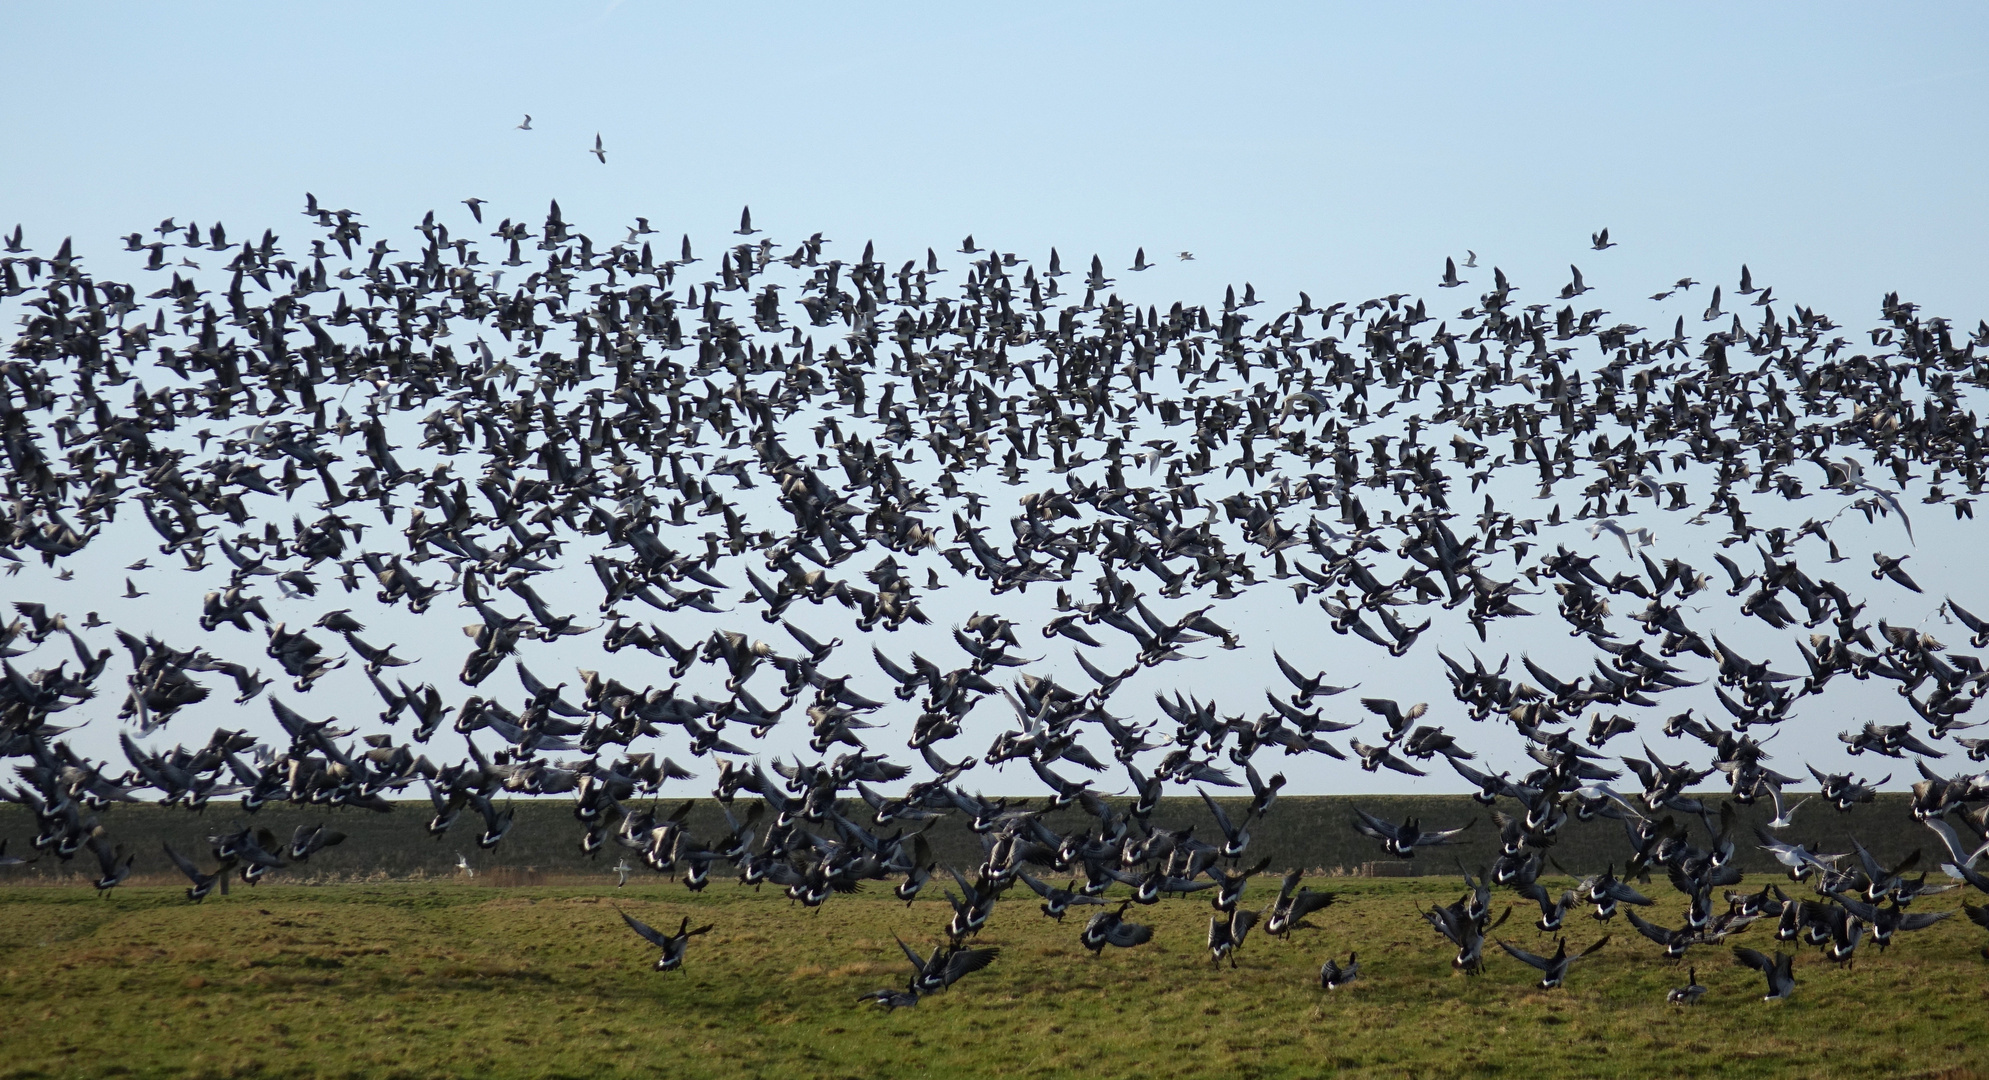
649, 933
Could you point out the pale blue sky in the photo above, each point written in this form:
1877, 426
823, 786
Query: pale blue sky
1840, 149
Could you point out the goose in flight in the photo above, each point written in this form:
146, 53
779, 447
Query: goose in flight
673, 945
1553, 969
1403, 840
1779, 969
1293, 904
203, 884
1111, 928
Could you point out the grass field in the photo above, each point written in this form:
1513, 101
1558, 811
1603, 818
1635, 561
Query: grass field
442, 979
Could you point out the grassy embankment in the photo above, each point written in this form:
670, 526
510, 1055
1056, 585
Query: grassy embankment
1313, 833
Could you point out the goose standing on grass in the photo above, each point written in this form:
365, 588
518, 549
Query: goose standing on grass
1332, 975
1690, 993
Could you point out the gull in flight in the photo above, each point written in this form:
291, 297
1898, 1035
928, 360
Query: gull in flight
1611, 526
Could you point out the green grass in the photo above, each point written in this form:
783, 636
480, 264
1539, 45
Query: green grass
440, 979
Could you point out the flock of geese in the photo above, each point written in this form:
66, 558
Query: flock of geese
354, 428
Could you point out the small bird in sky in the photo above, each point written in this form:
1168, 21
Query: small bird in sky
527, 125
476, 208
597, 151
1187, 256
